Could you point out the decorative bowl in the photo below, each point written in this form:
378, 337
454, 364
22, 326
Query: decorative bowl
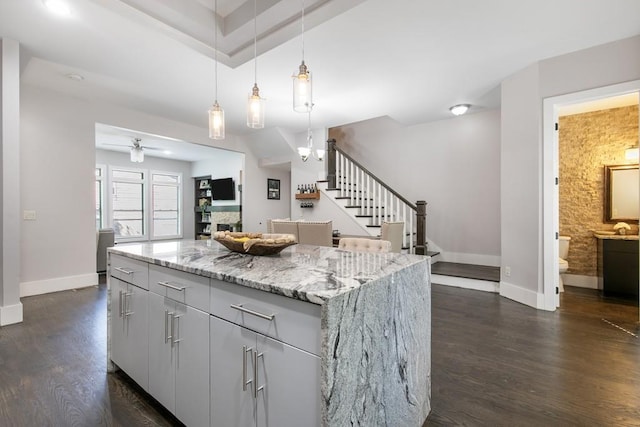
259, 248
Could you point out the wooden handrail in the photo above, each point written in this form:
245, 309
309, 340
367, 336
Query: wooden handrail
333, 147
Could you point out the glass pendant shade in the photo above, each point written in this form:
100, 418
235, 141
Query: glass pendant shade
304, 153
319, 154
255, 109
137, 155
302, 90
216, 121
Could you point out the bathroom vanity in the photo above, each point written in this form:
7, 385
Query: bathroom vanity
618, 265
314, 336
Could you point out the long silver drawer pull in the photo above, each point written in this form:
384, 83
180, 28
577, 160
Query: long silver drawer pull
245, 382
169, 285
124, 270
256, 389
239, 307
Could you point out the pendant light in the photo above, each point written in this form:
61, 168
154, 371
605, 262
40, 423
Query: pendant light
137, 155
302, 100
255, 106
216, 113
306, 152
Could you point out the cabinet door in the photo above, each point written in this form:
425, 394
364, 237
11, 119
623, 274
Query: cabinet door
161, 354
119, 351
231, 406
135, 302
291, 381
192, 366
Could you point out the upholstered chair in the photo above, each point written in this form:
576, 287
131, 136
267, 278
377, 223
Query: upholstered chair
359, 244
284, 227
315, 233
392, 231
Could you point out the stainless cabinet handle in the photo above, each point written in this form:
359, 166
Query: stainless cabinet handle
167, 315
126, 311
120, 310
256, 389
174, 317
124, 270
245, 382
239, 307
168, 285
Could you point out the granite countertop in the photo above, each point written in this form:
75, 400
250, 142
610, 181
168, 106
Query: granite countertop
304, 272
615, 236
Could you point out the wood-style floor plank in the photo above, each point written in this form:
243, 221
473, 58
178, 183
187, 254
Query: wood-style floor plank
495, 363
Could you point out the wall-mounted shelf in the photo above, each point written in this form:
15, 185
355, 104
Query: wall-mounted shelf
315, 196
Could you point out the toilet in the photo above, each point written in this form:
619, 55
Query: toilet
563, 265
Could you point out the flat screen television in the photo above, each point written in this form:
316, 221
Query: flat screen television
223, 189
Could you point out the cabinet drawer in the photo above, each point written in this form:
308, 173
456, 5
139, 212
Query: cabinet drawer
294, 322
186, 288
130, 270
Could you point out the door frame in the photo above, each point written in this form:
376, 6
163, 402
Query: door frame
550, 171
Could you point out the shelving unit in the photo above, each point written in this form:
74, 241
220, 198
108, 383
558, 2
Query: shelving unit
203, 202
307, 196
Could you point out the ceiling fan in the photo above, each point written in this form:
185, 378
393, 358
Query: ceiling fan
137, 150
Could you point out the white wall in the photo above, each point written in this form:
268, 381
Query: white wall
226, 164
454, 165
57, 175
522, 127
114, 158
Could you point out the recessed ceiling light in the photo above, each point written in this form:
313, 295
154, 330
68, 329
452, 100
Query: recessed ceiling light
74, 76
459, 109
59, 7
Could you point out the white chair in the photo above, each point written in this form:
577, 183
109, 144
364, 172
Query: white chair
392, 231
284, 227
315, 233
359, 244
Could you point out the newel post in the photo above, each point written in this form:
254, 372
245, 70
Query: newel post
331, 162
421, 227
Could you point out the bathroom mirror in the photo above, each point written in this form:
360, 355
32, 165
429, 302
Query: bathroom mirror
622, 190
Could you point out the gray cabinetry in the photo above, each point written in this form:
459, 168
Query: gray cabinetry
259, 381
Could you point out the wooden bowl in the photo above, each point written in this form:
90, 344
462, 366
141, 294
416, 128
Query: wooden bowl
256, 249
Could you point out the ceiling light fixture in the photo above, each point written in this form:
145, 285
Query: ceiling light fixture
460, 109
255, 106
137, 155
302, 100
59, 7
216, 113
308, 151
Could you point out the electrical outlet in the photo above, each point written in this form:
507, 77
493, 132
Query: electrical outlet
507, 271
29, 215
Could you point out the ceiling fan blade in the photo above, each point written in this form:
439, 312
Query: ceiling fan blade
144, 147
117, 145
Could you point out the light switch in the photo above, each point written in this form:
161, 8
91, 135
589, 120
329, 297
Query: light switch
29, 215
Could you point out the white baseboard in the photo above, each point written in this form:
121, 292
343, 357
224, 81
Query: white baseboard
462, 282
40, 287
10, 314
580, 281
477, 259
522, 295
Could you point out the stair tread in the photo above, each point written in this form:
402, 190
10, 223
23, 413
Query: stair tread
467, 271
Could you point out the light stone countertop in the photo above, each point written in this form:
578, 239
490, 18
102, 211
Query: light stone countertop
615, 236
304, 272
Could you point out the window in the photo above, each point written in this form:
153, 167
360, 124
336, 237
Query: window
144, 205
128, 204
100, 220
165, 195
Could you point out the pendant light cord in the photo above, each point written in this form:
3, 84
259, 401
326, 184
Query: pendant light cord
255, 41
215, 45
302, 30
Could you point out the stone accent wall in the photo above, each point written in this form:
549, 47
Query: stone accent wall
588, 142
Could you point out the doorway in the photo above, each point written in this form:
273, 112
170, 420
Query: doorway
551, 112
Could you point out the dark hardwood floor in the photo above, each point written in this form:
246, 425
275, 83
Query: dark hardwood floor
495, 363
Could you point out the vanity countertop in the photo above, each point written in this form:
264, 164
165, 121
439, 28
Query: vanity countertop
615, 236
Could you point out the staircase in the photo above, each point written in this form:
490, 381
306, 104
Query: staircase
371, 202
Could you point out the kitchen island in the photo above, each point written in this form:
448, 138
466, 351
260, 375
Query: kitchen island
311, 336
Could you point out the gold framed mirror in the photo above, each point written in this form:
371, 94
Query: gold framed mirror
621, 193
